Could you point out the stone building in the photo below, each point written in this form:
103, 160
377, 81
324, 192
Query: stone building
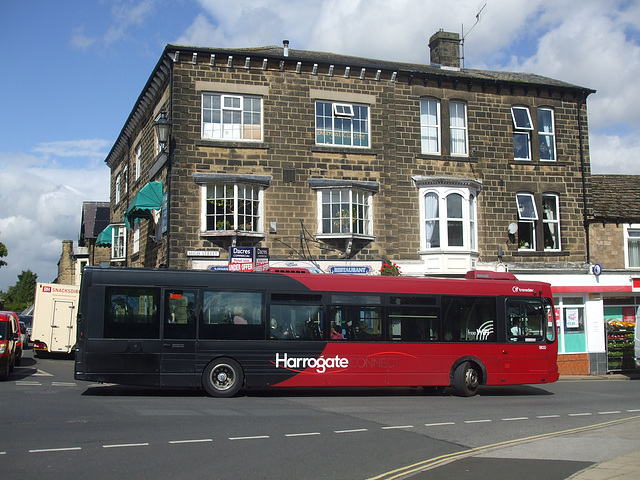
90, 250
614, 239
337, 163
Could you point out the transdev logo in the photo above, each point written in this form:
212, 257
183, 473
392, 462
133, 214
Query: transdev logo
517, 289
320, 364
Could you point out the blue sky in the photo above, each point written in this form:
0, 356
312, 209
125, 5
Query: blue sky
72, 70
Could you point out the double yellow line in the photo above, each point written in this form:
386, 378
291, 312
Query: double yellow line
442, 459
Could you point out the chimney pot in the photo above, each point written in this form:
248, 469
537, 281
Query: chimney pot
285, 44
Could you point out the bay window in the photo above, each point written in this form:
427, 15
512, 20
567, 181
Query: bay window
232, 204
448, 219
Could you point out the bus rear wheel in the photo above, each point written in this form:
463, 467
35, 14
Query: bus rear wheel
222, 378
466, 380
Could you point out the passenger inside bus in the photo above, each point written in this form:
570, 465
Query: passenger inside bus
335, 334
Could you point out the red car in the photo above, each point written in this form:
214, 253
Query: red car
10, 343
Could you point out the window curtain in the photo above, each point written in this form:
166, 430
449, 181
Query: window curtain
432, 220
634, 249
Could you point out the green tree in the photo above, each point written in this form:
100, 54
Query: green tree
23, 293
3, 253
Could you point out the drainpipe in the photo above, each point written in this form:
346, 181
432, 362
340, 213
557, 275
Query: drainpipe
169, 164
581, 102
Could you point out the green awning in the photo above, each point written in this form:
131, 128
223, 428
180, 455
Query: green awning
104, 239
148, 198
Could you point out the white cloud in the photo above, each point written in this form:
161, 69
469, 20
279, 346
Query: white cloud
41, 205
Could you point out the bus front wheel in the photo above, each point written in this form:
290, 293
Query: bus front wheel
222, 378
466, 380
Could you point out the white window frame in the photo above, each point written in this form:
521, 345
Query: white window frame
117, 189
125, 177
522, 128
118, 242
343, 112
238, 192
547, 139
631, 236
469, 215
136, 236
427, 127
340, 222
138, 162
553, 224
226, 128
456, 129
527, 214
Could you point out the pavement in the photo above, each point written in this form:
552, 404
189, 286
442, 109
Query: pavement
624, 467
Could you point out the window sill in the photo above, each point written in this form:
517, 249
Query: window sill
354, 236
232, 144
232, 233
343, 149
535, 253
447, 158
448, 251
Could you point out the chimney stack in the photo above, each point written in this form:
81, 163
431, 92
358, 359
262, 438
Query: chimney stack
285, 44
445, 49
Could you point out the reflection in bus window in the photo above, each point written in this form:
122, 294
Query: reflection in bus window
180, 314
469, 319
131, 312
228, 315
356, 322
296, 317
414, 323
526, 320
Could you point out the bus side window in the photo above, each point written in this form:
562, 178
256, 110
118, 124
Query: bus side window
180, 314
469, 319
131, 312
230, 315
526, 320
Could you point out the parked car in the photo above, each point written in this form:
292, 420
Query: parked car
9, 340
24, 334
28, 321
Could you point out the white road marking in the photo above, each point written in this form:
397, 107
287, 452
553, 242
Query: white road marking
308, 434
122, 445
355, 430
46, 450
256, 437
438, 424
478, 421
201, 440
397, 427
514, 419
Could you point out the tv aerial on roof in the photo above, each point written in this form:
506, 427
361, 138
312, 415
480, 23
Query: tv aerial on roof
479, 15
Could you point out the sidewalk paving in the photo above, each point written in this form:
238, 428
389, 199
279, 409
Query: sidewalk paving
626, 467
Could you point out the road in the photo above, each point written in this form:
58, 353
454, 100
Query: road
56, 426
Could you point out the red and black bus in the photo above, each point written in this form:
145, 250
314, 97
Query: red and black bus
224, 331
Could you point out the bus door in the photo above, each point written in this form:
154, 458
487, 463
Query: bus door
62, 327
525, 354
179, 338
125, 347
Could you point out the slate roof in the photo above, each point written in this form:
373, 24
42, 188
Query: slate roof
95, 218
615, 198
360, 62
